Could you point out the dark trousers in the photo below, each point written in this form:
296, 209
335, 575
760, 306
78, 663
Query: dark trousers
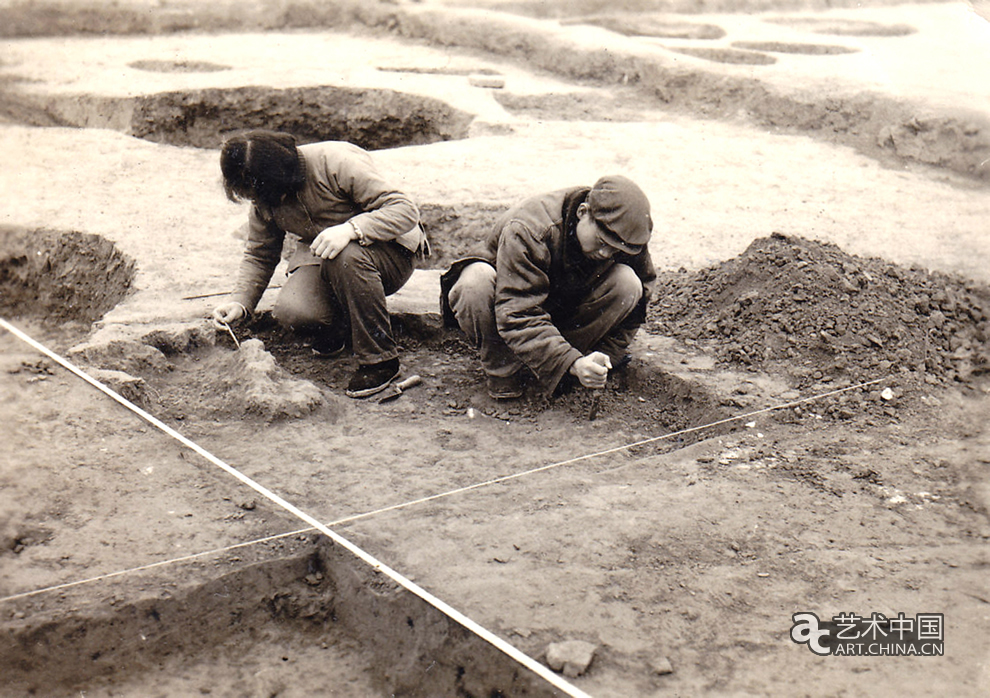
348, 293
595, 323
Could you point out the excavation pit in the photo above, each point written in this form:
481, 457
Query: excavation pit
60, 276
309, 619
371, 118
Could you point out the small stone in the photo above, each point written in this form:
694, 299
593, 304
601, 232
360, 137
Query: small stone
887, 394
572, 657
661, 666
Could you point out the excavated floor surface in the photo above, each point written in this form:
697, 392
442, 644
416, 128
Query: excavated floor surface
842, 366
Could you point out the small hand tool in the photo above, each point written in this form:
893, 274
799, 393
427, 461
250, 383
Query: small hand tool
395, 390
596, 401
231, 332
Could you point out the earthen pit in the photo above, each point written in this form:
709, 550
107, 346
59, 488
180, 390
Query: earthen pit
796, 48
156, 66
60, 275
371, 118
310, 618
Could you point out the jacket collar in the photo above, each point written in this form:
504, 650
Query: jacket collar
569, 216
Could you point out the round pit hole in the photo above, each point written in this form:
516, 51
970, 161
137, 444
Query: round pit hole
61, 276
726, 55
178, 66
797, 48
372, 119
844, 27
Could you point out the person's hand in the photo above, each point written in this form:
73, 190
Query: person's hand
331, 241
592, 370
228, 314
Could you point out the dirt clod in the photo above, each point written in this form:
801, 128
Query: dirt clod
572, 657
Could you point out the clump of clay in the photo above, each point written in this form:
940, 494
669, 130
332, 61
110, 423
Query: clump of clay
247, 381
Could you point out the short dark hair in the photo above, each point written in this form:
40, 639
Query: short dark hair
261, 166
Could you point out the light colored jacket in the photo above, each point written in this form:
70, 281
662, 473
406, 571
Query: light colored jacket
342, 184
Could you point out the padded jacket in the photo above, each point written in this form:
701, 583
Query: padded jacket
541, 274
342, 184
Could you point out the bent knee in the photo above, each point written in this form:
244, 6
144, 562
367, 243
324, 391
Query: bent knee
296, 314
625, 283
475, 287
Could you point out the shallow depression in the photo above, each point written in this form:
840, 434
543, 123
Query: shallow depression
310, 620
61, 275
371, 118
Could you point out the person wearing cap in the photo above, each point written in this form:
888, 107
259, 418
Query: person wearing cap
356, 239
559, 286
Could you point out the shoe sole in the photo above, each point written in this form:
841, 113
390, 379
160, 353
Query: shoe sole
505, 396
367, 392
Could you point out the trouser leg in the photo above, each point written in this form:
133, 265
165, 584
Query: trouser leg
472, 299
361, 277
306, 302
596, 323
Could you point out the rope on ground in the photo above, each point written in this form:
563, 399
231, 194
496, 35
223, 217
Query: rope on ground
440, 495
455, 615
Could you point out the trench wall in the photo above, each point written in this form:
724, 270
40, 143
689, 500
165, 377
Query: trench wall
319, 592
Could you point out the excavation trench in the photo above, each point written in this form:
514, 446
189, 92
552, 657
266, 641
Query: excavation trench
300, 615
309, 619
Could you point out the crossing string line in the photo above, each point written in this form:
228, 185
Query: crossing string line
314, 524
440, 495
452, 613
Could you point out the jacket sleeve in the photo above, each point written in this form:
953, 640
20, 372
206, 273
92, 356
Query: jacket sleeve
262, 253
386, 213
521, 290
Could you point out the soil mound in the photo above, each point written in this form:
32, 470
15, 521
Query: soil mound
248, 382
821, 314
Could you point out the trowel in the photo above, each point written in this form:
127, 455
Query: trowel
395, 390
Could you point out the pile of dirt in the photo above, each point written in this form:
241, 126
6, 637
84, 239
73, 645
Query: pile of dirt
247, 382
819, 314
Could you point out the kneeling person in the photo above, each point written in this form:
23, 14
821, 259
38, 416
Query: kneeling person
560, 285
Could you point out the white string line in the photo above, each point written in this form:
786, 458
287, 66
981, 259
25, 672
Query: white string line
153, 565
448, 493
408, 584
608, 451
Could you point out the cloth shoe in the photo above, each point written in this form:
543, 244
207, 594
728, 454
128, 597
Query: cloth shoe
504, 388
373, 378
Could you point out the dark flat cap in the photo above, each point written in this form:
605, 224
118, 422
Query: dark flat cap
621, 208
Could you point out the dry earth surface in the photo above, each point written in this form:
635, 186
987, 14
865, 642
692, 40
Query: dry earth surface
804, 426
